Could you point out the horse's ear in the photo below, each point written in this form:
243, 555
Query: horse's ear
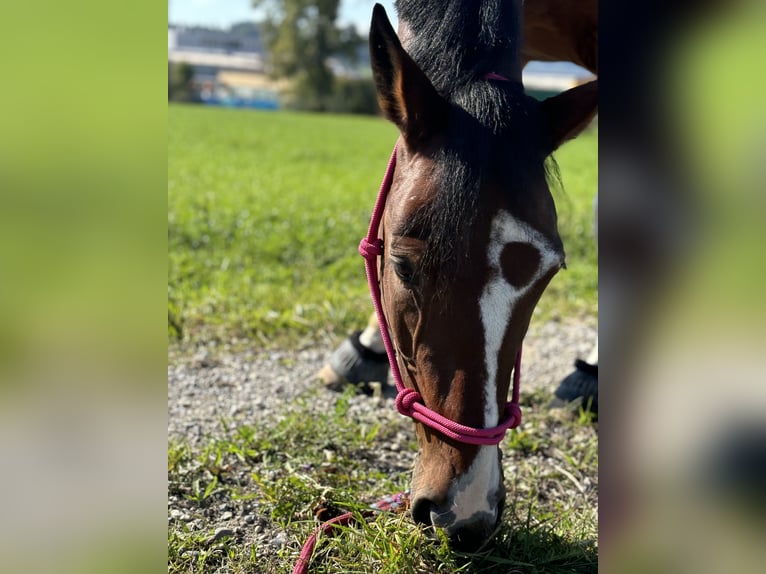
570, 112
405, 94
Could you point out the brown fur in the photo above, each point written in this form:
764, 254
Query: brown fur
561, 30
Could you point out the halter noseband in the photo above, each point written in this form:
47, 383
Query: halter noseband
408, 401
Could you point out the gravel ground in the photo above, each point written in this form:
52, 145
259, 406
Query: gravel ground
247, 386
211, 383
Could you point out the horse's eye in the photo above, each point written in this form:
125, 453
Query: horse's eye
405, 270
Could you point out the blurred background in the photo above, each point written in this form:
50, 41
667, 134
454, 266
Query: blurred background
681, 279
246, 53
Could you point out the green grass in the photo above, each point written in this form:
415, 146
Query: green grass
286, 469
265, 212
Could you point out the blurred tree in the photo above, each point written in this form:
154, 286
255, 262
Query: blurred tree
180, 85
354, 96
301, 36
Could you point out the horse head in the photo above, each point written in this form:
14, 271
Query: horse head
470, 242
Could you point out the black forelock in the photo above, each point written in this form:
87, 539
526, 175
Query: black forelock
454, 41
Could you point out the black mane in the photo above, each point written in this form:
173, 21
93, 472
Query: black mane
457, 41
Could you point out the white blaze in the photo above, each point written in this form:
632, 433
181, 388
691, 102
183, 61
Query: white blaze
499, 297
497, 302
473, 489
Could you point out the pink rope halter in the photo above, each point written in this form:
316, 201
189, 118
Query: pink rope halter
408, 401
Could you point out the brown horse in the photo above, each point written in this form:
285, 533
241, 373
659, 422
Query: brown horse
553, 30
469, 231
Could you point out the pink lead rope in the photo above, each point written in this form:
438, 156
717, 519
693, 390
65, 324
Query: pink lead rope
408, 401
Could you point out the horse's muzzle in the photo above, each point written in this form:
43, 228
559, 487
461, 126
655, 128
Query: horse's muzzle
466, 535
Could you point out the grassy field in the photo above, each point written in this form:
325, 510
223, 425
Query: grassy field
265, 212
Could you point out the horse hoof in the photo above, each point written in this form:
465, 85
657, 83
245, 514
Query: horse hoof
354, 364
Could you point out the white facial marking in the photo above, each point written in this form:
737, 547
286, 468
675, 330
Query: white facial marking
499, 297
474, 490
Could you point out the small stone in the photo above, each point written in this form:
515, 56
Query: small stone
227, 515
279, 540
220, 533
180, 515
249, 518
204, 360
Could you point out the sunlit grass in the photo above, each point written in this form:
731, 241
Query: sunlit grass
265, 212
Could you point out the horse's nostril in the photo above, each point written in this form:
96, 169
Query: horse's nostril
421, 511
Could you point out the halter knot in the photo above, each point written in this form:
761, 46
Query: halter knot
513, 410
405, 401
370, 249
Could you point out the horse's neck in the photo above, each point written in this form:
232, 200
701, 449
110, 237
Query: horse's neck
454, 41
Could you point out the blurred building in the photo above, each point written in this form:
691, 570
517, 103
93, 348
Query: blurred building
228, 65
